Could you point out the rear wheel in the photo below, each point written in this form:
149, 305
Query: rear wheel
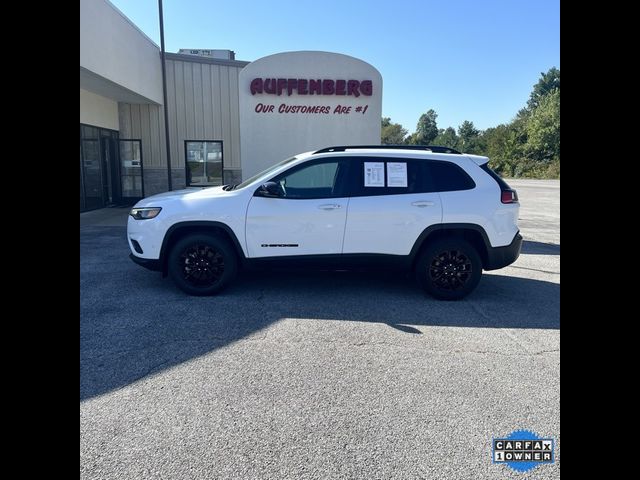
202, 264
449, 269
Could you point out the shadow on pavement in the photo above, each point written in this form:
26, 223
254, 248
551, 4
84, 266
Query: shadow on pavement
134, 323
540, 248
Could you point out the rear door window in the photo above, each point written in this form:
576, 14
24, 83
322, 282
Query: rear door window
374, 176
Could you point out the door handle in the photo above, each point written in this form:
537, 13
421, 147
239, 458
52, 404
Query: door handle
329, 206
422, 203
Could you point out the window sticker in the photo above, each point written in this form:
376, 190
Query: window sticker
374, 174
397, 174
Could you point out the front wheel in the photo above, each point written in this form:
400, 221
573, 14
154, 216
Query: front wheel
449, 269
202, 264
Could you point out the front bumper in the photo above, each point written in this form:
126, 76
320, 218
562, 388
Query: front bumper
149, 263
498, 257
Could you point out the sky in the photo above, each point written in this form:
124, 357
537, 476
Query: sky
471, 60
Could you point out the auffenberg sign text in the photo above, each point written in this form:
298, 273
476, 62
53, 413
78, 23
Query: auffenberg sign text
303, 86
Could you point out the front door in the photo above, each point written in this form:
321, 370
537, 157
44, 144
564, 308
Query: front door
110, 177
309, 217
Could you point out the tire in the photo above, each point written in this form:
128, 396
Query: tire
202, 264
449, 269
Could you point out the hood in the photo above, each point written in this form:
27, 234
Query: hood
186, 193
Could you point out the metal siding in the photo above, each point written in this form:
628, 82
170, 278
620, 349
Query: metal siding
189, 100
207, 101
217, 102
234, 160
202, 103
176, 116
155, 136
135, 121
171, 112
162, 144
124, 119
181, 113
197, 100
225, 110
145, 133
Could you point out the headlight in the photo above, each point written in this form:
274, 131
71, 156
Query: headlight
145, 213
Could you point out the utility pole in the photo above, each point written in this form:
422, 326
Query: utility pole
164, 95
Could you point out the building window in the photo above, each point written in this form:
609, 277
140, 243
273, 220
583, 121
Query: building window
204, 162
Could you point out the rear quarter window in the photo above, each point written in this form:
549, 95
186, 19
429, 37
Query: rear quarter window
449, 177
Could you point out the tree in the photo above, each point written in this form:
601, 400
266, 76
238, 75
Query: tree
528, 146
504, 147
447, 138
543, 129
548, 83
469, 138
392, 133
412, 139
427, 128
467, 131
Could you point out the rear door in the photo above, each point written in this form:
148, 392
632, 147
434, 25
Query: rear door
309, 219
392, 201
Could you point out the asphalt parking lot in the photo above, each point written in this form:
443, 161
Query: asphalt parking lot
317, 375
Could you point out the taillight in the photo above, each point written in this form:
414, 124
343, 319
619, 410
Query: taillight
509, 196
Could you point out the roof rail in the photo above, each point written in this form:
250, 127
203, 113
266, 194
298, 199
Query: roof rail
430, 148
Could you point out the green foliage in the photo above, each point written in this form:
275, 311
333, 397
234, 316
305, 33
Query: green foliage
549, 82
413, 139
503, 147
467, 131
543, 129
528, 146
448, 138
471, 140
392, 133
427, 128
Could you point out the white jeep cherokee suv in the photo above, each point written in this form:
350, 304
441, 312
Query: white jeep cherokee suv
442, 214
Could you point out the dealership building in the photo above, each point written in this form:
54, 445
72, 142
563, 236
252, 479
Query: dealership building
227, 119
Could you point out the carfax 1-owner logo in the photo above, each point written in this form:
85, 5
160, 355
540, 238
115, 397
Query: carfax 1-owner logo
523, 450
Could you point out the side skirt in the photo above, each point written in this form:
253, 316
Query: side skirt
347, 261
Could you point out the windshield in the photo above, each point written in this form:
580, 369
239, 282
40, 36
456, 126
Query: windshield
264, 172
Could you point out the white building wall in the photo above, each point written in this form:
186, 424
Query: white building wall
98, 111
114, 48
271, 136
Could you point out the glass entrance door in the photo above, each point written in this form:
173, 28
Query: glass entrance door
131, 179
110, 183
91, 170
99, 168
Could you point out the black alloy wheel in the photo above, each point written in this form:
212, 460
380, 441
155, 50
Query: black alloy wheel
202, 264
449, 268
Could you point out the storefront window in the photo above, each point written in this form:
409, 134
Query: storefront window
204, 163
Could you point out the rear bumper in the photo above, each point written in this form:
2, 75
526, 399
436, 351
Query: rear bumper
149, 263
498, 257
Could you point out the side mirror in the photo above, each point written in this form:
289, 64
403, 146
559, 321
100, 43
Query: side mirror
270, 190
